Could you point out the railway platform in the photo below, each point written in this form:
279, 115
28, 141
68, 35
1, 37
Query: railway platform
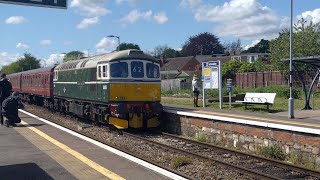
304, 121
36, 150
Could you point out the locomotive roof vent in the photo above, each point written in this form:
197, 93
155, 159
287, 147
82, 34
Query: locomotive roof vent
84, 63
132, 52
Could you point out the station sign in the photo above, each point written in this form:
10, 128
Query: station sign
229, 85
212, 79
211, 75
62, 4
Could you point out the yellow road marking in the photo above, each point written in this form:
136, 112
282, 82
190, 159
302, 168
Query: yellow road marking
90, 163
260, 119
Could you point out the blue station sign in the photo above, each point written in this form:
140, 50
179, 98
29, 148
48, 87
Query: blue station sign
44, 3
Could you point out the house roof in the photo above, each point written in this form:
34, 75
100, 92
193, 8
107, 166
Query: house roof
175, 63
222, 59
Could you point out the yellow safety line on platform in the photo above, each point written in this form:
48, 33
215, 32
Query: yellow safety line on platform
76, 154
260, 119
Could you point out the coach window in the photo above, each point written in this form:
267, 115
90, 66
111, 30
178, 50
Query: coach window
137, 69
119, 70
153, 70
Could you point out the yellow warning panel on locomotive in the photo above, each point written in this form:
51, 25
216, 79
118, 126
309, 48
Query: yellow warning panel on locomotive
135, 92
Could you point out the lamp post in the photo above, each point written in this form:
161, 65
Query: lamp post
118, 41
290, 101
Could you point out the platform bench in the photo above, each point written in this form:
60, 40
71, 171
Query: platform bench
259, 98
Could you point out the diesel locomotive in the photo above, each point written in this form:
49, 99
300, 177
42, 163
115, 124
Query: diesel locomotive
120, 88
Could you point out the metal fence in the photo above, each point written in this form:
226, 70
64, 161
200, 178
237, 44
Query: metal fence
170, 84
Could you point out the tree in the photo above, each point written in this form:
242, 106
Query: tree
234, 46
165, 51
305, 43
261, 47
230, 68
159, 50
73, 55
25, 63
171, 53
204, 44
124, 46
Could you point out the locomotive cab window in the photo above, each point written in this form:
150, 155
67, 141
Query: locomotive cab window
153, 70
55, 76
137, 69
119, 70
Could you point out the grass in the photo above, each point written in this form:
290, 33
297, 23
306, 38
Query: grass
201, 137
180, 161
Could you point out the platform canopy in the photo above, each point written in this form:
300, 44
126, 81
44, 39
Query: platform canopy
309, 60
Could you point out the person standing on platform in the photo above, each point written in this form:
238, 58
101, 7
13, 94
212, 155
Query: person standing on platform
5, 90
195, 89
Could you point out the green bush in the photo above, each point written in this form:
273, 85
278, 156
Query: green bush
274, 152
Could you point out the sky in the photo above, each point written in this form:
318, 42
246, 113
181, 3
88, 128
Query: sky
49, 33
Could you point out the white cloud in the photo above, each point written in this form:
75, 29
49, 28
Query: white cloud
90, 8
6, 58
313, 16
240, 18
87, 22
106, 45
53, 59
136, 15
16, 20
253, 43
134, 2
160, 18
190, 3
45, 42
22, 46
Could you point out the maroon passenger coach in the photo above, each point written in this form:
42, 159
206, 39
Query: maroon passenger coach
34, 85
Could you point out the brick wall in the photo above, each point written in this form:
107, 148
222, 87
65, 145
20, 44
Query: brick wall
245, 137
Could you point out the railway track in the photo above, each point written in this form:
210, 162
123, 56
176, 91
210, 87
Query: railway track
160, 149
249, 164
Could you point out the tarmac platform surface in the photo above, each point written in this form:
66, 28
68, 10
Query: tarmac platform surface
36, 150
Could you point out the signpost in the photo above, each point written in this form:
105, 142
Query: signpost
62, 4
212, 79
229, 90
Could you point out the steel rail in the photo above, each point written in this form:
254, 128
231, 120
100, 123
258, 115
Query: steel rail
284, 165
240, 169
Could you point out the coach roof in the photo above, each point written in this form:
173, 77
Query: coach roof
91, 62
33, 71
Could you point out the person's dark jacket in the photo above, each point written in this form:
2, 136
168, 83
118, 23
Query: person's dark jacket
5, 89
10, 108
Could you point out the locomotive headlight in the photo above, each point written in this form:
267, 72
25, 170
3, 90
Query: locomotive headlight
120, 98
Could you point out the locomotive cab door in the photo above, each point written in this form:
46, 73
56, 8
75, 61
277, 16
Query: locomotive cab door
102, 77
